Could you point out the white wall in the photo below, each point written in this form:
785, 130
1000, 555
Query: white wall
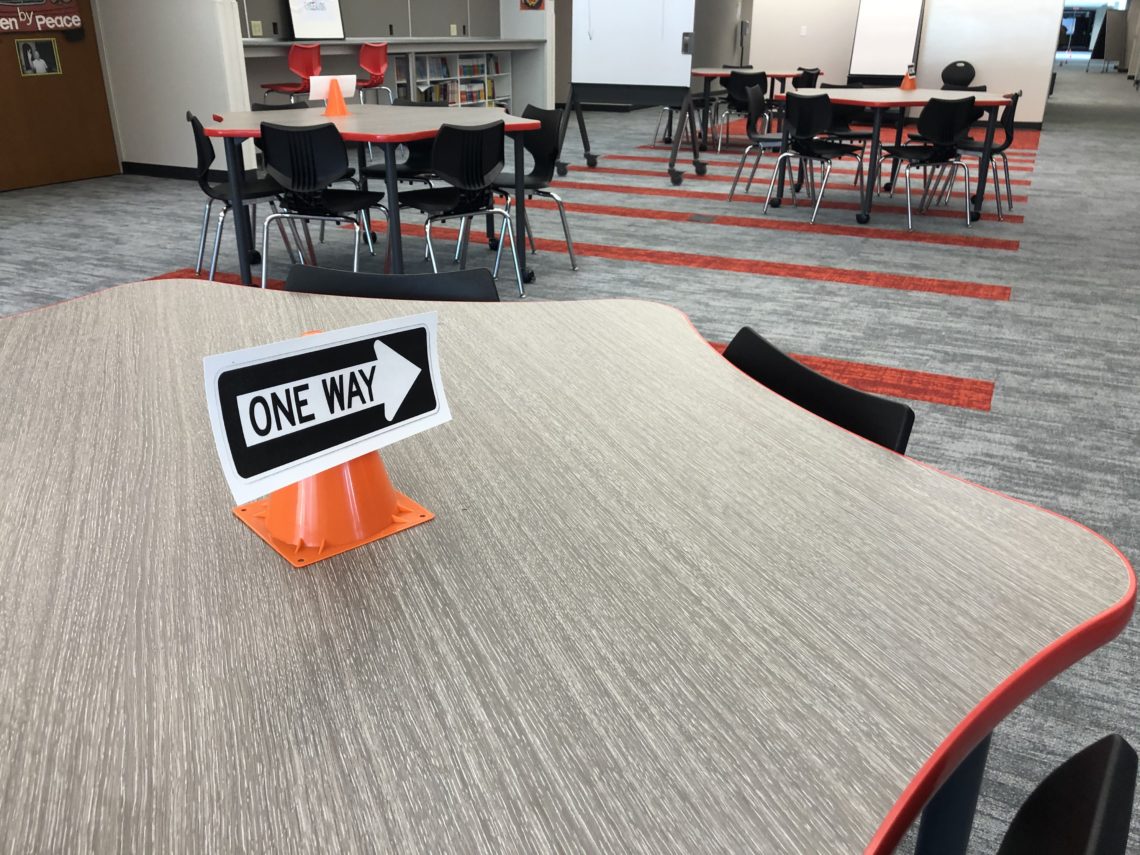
532, 71
1011, 44
811, 33
162, 58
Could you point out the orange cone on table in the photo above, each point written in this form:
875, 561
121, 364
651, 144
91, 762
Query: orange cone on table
909, 84
334, 104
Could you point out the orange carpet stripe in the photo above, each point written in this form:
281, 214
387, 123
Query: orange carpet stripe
1024, 162
946, 389
881, 206
773, 224
727, 179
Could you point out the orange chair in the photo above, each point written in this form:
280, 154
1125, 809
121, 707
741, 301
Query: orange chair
304, 61
374, 60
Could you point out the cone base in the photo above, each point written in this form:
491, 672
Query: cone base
255, 515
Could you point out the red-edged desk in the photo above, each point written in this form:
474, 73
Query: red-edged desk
881, 100
367, 123
708, 75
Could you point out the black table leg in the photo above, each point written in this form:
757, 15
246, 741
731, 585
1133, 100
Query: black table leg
574, 105
361, 162
235, 167
984, 165
948, 817
864, 215
688, 115
395, 236
705, 114
896, 164
519, 247
778, 199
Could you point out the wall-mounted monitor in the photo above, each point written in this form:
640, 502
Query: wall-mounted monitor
316, 19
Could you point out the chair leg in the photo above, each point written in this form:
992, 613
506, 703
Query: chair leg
822, 188
997, 189
218, 242
281, 228
297, 240
909, 213
265, 244
965, 188
529, 233
430, 248
755, 166
309, 241
357, 228
367, 223
391, 97
1008, 183
565, 224
739, 169
775, 174
657, 128
202, 236
321, 237
508, 232
464, 225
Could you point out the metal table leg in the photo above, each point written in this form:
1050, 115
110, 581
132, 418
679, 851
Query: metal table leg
687, 114
864, 215
948, 817
895, 164
705, 114
395, 236
984, 165
782, 168
235, 167
519, 247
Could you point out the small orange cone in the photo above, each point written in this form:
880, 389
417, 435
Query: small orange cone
334, 104
909, 84
332, 512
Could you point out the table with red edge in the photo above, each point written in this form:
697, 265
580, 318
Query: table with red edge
878, 101
686, 113
385, 125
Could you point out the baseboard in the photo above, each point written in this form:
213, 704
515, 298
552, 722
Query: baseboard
184, 173
602, 108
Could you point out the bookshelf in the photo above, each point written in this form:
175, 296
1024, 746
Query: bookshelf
464, 79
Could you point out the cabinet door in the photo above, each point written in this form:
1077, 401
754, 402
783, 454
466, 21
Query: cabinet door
484, 18
375, 18
435, 19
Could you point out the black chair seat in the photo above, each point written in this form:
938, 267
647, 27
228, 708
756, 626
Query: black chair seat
332, 203
824, 149
530, 182
404, 171
261, 188
475, 285
850, 135
445, 200
920, 153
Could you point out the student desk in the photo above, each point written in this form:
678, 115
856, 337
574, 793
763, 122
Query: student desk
881, 100
368, 123
660, 609
687, 113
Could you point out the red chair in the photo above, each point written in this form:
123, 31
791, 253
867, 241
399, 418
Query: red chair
374, 60
304, 61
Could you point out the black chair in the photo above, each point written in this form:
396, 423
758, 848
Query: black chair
473, 286
251, 191
880, 420
417, 166
806, 79
843, 116
305, 161
958, 75
1084, 805
942, 124
974, 148
736, 102
757, 110
469, 159
544, 147
809, 117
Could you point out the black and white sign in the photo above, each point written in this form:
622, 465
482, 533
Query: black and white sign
285, 411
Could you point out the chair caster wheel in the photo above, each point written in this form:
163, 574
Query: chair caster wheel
528, 277
591, 160
676, 177
561, 168
701, 167
667, 140
776, 203
862, 218
493, 244
255, 256
887, 187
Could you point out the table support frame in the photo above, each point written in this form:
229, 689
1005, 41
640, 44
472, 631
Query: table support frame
948, 817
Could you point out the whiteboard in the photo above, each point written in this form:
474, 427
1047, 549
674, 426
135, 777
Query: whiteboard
631, 42
316, 19
885, 35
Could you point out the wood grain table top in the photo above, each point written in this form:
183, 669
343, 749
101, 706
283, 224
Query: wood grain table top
895, 97
375, 123
660, 609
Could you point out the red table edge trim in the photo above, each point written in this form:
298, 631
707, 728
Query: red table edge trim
247, 133
887, 105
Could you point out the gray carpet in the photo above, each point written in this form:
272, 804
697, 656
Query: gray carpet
1062, 351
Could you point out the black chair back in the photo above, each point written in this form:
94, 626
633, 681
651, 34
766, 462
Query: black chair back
757, 106
806, 79
880, 420
475, 285
958, 74
469, 158
737, 84
304, 160
543, 144
260, 107
204, 149
943, 121
808, 115
1084, 805
1008, 119
842, 115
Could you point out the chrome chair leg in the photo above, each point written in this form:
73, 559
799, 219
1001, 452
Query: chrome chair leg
202, 236
265, 244
966, 188
297, 240
357, 227
822, 188
508, 231
464, 225
1008, 183
565, 223
218, 242
366, 222
391, 97
529, 233
739, 169
430, 248
997, 189
909, 214
775, 174
755, 166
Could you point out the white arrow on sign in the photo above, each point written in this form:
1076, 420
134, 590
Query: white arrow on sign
286, 408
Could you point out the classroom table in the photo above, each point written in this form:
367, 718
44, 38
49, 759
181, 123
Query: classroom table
385, 125
659, 609
881, 100
687, 114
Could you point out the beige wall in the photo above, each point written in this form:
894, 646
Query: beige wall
1011, 44
778, 43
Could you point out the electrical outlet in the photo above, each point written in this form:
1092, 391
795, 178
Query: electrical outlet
455, 29
803, 30
255, 29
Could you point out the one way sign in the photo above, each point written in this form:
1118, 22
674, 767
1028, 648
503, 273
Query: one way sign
285, 411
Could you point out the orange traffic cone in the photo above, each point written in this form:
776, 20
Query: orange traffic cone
334, 104
332, 512
909, 83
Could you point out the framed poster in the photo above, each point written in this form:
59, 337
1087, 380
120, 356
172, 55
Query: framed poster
38, 57
316, 19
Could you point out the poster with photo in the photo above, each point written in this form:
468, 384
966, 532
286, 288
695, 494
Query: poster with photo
38, 57
316, 19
